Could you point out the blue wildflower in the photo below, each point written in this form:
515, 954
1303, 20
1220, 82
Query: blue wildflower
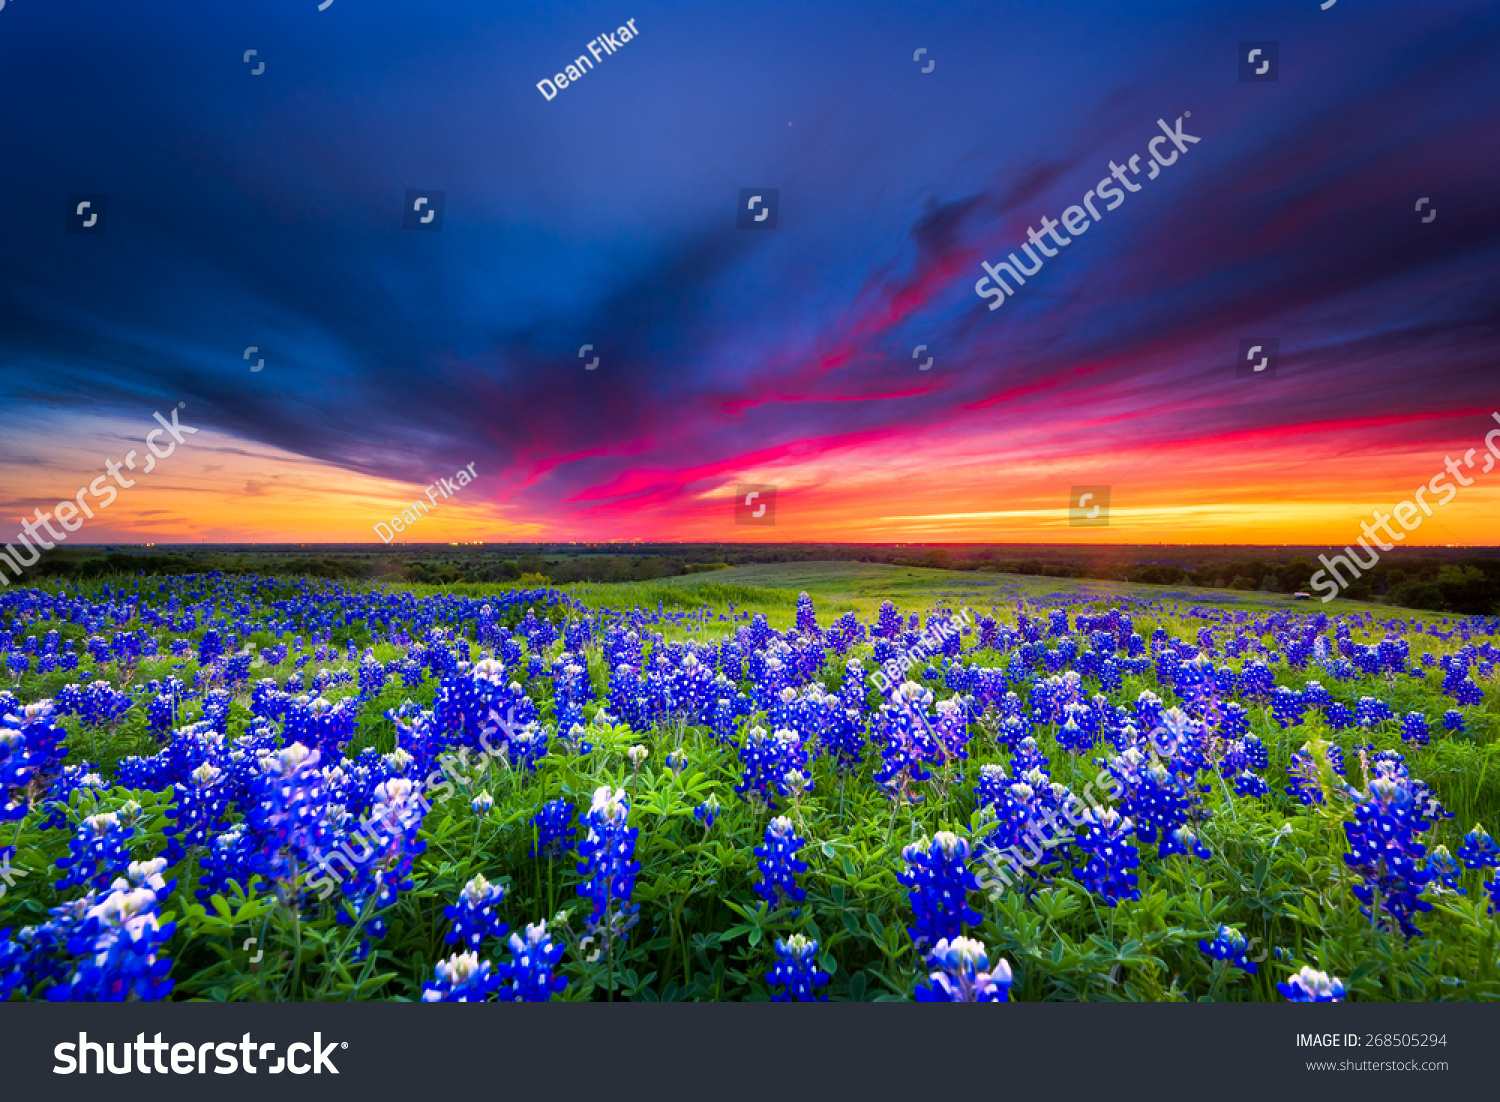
1309, 986
97, 850
529, 972
939, 880
1479, 850
964, 975
1230, 945
475, 916
462, 978
1384, 850
707, 812
554, 829
1105, 842
779, 864
796, 973
117, 945
608, 865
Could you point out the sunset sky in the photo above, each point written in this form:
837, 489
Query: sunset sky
267, 210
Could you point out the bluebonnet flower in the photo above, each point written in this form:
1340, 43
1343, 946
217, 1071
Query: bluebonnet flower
1256, 681
482, 804
1479, 850
384, 868
807, 619
1230, 945
1316, 696
888, 622
1370, 712
321, 725
795, 977
779, 864
59, 797
677, 761
372, 677
1288, 707
529, 972
198, 809
475, 915
231, 857
939, 880
1155, 799
1255, 752
527, 747
462, 978
769, 763
1105, 842
608, 865
1414, 728
707, 812
1309, 986
161, 710
119, 941
287, 812
31, 751
1445, 871
1183, 841
904, 732
964, 975
1302, 772
211, 646
554, 829
1384, 850
1247, 783
97, 850
1453, 720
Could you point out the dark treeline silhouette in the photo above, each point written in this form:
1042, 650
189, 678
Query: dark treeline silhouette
1458, 580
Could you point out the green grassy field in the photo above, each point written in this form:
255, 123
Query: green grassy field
1276, 871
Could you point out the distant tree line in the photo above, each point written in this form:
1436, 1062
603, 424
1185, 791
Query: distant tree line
1464, 585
